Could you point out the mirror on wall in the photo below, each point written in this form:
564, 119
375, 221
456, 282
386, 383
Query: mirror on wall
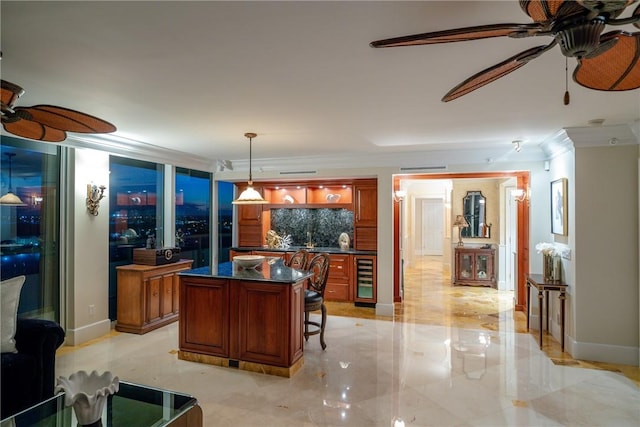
474, 210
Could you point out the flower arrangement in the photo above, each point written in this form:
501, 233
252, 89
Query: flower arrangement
547, 249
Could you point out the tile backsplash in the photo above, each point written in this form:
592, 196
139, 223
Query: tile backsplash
325, 225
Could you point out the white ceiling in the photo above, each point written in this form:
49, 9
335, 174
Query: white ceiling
195, 76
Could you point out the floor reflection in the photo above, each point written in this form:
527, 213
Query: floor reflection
429, 298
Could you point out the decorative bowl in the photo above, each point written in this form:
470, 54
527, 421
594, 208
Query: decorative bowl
248, 261
88, 393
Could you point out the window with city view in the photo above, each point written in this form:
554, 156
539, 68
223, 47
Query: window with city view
193, 213
29, 229
136, 214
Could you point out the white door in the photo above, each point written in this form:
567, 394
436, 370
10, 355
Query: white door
432, 226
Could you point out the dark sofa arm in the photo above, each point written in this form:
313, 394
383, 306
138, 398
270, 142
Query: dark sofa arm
40, 338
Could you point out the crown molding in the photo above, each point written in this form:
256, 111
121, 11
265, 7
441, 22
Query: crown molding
427, 160
602, 136
140, 150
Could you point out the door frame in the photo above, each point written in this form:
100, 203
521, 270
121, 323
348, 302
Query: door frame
522, 212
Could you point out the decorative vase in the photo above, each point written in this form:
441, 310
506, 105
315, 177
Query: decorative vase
551, 267
344, 242
88, 393
547, 267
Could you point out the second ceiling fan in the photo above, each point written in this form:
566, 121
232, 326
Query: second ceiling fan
607, 62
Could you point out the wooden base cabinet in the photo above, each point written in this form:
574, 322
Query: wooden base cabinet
339, 280
475, 267
148, 296
242, 320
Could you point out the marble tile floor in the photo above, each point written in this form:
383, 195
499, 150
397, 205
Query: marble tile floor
478, 368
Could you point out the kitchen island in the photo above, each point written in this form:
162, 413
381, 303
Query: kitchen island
250, 319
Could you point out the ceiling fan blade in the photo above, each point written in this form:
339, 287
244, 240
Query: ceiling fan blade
33, 130
550, 10
9, 93
461, 34
493, 73
615, 69
66, 119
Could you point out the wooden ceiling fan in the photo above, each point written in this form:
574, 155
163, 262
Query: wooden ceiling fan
44, 122
607, 62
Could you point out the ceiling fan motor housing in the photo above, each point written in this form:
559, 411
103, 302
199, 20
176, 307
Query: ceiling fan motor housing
578, 39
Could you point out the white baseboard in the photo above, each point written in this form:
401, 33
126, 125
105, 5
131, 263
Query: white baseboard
384, 309
77, 336
607, 353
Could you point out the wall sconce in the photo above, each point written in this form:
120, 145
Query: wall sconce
94, 195
399, 195
520, 195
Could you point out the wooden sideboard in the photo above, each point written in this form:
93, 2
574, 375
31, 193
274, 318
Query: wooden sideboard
148, 295
475, 267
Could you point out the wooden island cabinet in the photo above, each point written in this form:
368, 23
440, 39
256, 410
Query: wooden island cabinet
148, 295
247, 319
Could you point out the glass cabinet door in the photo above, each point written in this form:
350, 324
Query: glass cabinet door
365, 278
466, 266
482, 262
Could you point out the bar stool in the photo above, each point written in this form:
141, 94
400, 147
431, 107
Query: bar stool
299, 260
314, 296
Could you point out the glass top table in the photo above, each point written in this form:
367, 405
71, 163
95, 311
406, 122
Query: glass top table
133, 405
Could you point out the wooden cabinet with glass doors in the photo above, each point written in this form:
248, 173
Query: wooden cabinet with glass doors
475, 267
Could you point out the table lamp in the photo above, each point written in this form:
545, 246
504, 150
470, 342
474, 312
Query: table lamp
461, 223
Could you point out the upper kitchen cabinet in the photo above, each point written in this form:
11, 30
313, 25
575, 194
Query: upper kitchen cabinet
286, 195
250, 214
366, 203
365, 206
250, 219
294, 195
329, 195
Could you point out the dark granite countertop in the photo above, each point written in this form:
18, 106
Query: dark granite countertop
318, 249
272, 270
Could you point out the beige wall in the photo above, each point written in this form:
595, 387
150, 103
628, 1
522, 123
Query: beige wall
606, 251
87, 282
490, 189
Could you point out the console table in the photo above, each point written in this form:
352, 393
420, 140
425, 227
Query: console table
544, 287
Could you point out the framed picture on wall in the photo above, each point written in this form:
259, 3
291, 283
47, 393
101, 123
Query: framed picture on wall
559, 207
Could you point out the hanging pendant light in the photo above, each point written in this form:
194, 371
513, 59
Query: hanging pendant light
250, 196
10, 199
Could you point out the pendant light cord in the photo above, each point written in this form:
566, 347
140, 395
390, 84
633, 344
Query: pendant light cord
250, 176
567, 97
